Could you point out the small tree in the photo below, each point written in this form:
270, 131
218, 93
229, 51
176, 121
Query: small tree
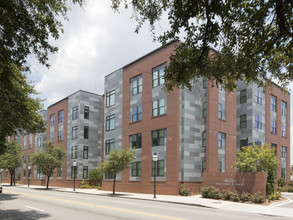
117, 161
48, 159
96, 175
11, 158
258, 159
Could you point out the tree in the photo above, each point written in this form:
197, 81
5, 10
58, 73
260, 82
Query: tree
117, 161
250, 38
96, 175
11, 158
48, 159
258, 159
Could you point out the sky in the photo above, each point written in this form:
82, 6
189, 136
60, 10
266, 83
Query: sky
96, 42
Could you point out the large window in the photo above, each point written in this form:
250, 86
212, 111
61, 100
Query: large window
74, 152
136, 113
110, 98
86, 112
283, 130
258, 97
85, 172
59, 172
110, 122
60, 116
273, 127
85, 152
74, 172
284, 152
30, 141
221, 140
110, 145
158, 137
273, 103
160, 171
204, 109
204, 139
135, 141
284, 108
242, 121
243, 96
86, 132
220, 111
74, 132
220, 167
158, 76
60, 135
25, 141
52, 137
258, 122
136, 85
283, 172
108, 175
75, 113
136, 169
159, 107
52, 120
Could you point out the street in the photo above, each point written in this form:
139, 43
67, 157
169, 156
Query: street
33, 204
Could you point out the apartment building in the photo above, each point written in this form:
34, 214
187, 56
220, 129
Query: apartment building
192, 131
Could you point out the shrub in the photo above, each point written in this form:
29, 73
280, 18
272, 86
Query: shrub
206, 192
217, 194
257, 198
183, 191
245, 197
235, 197
291, 184
271, 197
278, 195
227, 194
282, 182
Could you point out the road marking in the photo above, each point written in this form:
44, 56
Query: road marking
98, 206
35, 208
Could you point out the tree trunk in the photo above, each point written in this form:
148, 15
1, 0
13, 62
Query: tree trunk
114, 181
48, 179
11, 176
14, 177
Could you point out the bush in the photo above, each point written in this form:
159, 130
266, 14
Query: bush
207, 192
257, 198
278, 195
235, 197
271, 197
281, 182
227, 195
291, 184
183, 191
245, 197
87, 186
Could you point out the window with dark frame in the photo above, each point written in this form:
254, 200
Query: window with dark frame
75, 113
74, 169
203, 166
204, 82
85, 172
220, 111
85, 152
204, 109
204, 139
136, 113
284, 108
110, 145
74, 132
284, 152
158, 76
60, 116
273, 127
110, 98
273, 103
221, 140
86, 112
258, 97
59, 172
52, 137
220, 168
160, 171
60, 135
85, 132
158, 137
243, 96
242, 121
110, 122
74, 152
52, 120
136, 85
136, 169
258, 122
135, 141
283, 130
159, 107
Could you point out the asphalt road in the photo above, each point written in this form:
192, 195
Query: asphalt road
33, 204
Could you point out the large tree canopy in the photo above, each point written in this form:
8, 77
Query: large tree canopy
251, 38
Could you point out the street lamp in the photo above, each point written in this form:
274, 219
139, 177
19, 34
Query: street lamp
74, 167
28, 175
1, 175
155, 159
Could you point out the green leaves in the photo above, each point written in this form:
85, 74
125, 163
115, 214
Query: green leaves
12, 156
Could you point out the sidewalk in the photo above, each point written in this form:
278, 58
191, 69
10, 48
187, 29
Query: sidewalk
273, 209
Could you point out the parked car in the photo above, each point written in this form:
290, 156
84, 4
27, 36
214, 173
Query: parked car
0, 188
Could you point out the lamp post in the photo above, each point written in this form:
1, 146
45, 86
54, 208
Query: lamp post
74, 166
155, 159
1, 175
28, 175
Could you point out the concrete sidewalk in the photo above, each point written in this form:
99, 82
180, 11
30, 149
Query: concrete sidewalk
273, 210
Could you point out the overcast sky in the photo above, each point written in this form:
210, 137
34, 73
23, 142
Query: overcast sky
96, 41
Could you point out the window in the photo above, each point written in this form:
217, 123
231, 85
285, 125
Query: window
59, 172
221, 140
108, 175
158, 137
204, 109
74, 152
86, 112
284, 152
85, 152
283, 130
136, 169
243, 143
74, 132
60, 135
284, 108
203, 166
283, 172
160, 171
136, 114
60, 116
258, 97
30, 141
242, 121
273, 103
204, 139
158, 76
220, 114
257, 142
24, 172
159, 107
86, 132
136, 85
24, 159
258, 123
75, 113
110, 145
24, 141
52, 137
220, 168
274, 146
204, 82
39, 141
74, 172
135, 141
110, 98
52, 120
220, 88
273, 127
110, 122
243, 96
85, 172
